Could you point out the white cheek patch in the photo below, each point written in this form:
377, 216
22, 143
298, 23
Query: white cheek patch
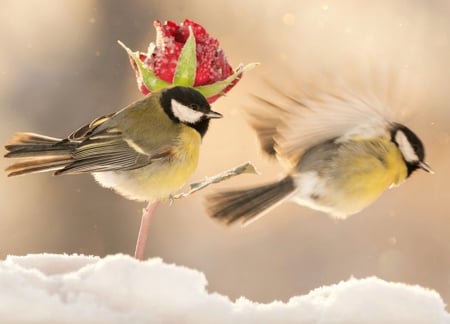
405, 147
184, 113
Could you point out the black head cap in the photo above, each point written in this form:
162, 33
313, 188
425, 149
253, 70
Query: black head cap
188, 106
411, 147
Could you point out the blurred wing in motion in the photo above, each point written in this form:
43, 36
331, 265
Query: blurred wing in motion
289, 123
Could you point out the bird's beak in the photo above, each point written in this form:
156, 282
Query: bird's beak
213, 114
424, 166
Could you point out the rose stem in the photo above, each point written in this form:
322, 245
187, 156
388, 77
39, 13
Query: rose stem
146, 219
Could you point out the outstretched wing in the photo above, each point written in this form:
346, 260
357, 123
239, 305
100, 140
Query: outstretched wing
289, 123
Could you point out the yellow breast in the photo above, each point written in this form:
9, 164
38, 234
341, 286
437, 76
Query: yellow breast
368, 170
160, 179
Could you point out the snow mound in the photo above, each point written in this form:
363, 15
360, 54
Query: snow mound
46, 288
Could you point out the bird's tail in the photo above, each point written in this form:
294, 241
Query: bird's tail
40, 153
248, 204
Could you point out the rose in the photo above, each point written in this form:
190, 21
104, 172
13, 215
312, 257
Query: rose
186, 55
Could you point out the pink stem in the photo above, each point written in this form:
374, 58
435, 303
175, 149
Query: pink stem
146, 219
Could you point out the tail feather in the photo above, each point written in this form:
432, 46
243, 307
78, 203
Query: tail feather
33, 138
247, 204
35, 145
43, 153
37, 165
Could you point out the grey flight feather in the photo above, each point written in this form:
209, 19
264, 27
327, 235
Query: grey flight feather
247, 204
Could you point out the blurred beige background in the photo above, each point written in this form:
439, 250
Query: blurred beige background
60, 67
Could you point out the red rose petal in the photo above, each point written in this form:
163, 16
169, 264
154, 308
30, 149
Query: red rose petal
212, 65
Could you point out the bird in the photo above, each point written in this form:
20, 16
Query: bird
145, 151
340, 148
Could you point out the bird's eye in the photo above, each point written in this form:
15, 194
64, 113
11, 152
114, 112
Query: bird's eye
194, 107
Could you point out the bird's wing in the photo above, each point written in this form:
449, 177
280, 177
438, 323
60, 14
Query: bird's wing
102, 147
85, 131
294, 122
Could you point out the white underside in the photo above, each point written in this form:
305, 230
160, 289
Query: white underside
137, 184
310, 185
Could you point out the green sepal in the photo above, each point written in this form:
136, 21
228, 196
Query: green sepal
218, 87
186, 69
151, 81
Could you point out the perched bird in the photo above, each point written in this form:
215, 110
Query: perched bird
340, 147
145, 152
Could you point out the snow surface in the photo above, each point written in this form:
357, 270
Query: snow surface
48, 288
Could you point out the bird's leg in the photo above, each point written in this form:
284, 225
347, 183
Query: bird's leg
147, 216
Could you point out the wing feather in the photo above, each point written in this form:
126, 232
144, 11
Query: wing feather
289, 123
103, 147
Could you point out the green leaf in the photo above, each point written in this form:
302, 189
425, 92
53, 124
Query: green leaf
216, 88
240, 169
151, 81
186, 69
